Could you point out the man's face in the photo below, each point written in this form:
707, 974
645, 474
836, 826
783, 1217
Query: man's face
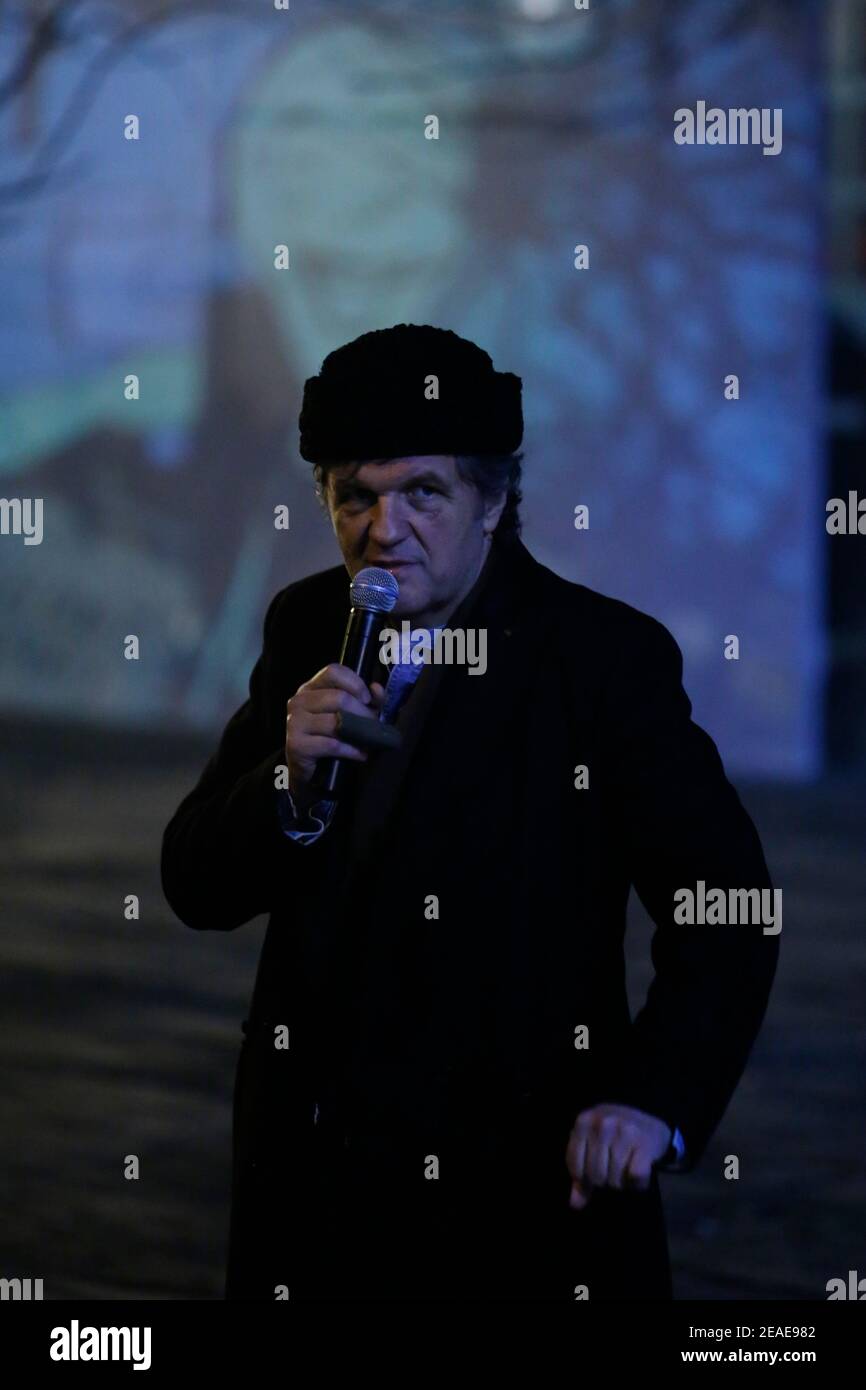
417, 518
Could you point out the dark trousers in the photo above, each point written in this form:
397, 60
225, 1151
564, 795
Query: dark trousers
361, 1223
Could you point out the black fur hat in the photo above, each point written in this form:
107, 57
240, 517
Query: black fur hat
373, 399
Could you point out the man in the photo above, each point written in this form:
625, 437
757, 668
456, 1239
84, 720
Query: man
441, 1093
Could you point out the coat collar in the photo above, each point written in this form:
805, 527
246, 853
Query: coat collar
504, 593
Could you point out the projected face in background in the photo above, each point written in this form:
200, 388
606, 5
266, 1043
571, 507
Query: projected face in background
419, 519
330, 160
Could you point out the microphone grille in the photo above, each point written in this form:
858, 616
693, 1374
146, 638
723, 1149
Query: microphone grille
374, 589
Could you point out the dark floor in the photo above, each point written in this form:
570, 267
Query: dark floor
119, 1037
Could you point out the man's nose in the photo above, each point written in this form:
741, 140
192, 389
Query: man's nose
386, 525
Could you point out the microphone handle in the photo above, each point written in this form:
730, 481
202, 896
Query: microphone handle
360, 655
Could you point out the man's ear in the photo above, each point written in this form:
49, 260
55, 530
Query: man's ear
492, 510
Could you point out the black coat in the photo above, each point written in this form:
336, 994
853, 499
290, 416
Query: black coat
416, 1038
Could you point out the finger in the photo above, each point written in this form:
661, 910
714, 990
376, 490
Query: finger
319, 746
620, 1152
378, 693
339, 677
639, 1168
579, 1195
330, 700
306, 725
575, 1154
597, 1158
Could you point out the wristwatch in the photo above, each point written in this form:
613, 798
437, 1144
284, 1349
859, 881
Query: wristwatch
675, 1152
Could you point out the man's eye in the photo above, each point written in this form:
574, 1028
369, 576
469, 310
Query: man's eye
426, 490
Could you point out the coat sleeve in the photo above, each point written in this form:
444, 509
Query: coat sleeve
682, 821
225, 858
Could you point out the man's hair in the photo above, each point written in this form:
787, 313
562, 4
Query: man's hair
491, 474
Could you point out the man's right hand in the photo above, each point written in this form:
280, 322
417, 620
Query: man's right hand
311, 721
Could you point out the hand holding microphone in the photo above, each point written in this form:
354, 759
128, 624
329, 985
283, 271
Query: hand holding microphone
312, 722
316, 740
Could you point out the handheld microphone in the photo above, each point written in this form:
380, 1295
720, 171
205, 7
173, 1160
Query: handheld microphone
372, 594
